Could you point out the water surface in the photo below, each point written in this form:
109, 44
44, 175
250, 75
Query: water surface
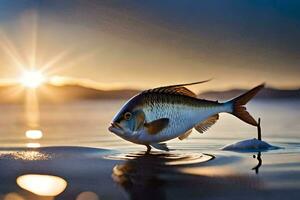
70, 144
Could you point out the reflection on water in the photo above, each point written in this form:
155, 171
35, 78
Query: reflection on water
210, 171
146, 173
259, 159
33, 145
87, 196
32, 116
32, 111
139, 176
43, 185
34, 134
24, 155
13, 196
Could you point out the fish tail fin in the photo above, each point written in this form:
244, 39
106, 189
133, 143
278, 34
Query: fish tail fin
237, 105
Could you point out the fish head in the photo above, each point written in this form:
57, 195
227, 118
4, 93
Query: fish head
128, 121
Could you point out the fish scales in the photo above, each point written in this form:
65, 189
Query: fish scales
182, 111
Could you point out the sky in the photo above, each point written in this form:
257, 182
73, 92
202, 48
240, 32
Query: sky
144, 44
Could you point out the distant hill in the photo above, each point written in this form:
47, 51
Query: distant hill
60, 94
266, 93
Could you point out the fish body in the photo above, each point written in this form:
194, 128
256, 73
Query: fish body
164, 113
183, 112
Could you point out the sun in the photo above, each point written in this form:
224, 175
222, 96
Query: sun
32, 79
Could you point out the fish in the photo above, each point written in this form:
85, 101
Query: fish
157, 115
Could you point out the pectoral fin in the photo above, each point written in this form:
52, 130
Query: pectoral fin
156, 126
185, 135
206, 124
140, 120
161, 146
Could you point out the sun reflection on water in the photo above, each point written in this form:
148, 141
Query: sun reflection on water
24, 155
43, 185
208, 171
34, 134
87, 196
13, 196
33, 145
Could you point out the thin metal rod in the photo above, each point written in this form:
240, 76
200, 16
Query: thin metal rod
258, 130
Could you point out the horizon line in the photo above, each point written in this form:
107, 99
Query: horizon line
60, 81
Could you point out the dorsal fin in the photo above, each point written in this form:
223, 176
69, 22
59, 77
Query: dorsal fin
176, 89
187, 84
185, 135
206, 124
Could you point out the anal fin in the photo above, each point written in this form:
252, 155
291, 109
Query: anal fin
206, 124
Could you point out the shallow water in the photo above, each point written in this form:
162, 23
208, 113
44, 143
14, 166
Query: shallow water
76, 147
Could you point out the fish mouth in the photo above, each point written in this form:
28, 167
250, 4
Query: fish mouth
116, 128
116, 125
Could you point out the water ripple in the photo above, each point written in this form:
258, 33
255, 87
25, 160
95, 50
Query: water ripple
161, 158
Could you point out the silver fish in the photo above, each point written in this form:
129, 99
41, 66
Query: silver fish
161, 114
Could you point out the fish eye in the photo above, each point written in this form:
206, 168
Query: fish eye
127, 116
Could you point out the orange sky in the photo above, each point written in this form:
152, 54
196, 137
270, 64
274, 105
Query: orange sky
122, 46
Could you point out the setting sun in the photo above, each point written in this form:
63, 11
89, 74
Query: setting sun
32, 79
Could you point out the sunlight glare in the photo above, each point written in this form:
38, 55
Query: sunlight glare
34, 134
43, 185
33, 145
32, 79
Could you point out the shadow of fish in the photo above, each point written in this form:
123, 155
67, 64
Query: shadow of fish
160, 114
